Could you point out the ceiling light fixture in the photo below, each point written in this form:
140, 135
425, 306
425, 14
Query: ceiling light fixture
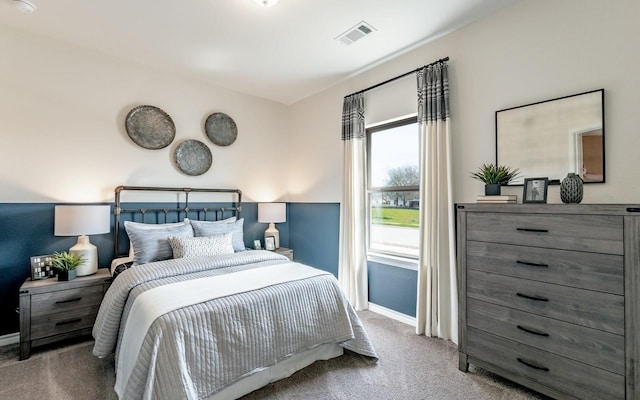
265, 3
24, 5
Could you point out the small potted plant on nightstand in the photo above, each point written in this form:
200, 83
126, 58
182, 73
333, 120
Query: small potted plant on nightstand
66, 264
494, 176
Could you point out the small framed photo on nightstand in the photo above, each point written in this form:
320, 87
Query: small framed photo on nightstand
270, 243
257, 245
41, 267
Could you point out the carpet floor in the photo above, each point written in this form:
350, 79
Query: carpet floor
411, 367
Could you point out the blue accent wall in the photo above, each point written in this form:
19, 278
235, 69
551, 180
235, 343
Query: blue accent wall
312, 230
26, 230
393, 287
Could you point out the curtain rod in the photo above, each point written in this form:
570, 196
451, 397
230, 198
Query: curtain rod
397, 77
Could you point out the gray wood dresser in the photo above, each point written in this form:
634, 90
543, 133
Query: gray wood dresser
549, 296
52, 310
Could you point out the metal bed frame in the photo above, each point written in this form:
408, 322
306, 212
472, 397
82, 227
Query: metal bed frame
236, 206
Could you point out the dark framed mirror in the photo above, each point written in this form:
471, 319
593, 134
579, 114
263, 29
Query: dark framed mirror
554, 137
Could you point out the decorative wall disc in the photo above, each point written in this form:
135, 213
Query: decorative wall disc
193, 157
150, 127
221, 129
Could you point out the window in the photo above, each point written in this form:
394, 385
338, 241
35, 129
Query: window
393, 188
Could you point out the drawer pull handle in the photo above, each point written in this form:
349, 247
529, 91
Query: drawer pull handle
533, 331
536, 298
532, 365
69, 301
71, 321
533, 230
633, 209
532, 264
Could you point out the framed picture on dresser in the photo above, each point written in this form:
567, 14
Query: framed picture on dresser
535, 190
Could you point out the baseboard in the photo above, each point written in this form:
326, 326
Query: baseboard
398, 316
11, 338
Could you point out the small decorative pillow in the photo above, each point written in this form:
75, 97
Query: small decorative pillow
184, 247
152, 244
211, 228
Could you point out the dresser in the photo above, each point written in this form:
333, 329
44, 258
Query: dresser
549, 296
52, 310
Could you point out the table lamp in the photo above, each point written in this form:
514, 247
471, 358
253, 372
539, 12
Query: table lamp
272, 213
83, 220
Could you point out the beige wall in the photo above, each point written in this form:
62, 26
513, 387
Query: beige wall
62, 111
533, 51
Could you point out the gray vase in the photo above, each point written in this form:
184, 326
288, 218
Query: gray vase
571, 189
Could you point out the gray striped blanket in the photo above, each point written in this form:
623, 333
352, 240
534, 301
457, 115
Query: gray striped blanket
196, 351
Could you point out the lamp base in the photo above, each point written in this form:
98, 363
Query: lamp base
272, 231
89, 254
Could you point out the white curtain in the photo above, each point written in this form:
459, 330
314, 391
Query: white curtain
437, 307
352, 270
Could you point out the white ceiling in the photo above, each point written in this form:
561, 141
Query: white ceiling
282, 53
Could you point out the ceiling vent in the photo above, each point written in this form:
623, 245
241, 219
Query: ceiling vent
355, 33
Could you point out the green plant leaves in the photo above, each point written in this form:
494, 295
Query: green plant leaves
492, 174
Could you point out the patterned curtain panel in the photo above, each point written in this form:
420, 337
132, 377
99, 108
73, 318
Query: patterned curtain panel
433, 93
437, 313
353, 117
352, 270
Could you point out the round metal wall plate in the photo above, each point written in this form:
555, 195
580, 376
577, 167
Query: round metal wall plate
221, 129
193, 157
150, 127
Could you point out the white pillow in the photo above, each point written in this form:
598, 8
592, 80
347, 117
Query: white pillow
184, 247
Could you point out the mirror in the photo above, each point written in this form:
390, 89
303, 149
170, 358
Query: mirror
554, 137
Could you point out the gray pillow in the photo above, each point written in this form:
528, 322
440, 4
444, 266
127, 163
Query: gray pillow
212, 228
150, 242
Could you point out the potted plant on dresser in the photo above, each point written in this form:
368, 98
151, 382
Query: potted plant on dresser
66, 264
494, 176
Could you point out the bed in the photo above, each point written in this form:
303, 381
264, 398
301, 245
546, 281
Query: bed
191, 314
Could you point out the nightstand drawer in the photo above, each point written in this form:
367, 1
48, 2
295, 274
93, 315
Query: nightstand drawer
65, 300
52, 310
67, 321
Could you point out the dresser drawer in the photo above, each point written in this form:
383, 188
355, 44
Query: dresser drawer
603, 311
62, 322
66, 300
592, 233
590, 346
602, 272
565, 375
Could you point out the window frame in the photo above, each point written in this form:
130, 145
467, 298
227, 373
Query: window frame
387, 257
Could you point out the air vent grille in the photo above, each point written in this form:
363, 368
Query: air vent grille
355, 33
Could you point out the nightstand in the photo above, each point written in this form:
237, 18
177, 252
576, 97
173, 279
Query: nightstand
285, 252
52, 310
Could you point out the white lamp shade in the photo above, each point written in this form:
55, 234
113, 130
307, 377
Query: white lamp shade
75, 220
272, 212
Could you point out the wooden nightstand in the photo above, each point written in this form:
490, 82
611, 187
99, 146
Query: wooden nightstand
52, 310
285, 252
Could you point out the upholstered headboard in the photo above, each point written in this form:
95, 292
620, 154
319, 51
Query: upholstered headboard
214, 207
